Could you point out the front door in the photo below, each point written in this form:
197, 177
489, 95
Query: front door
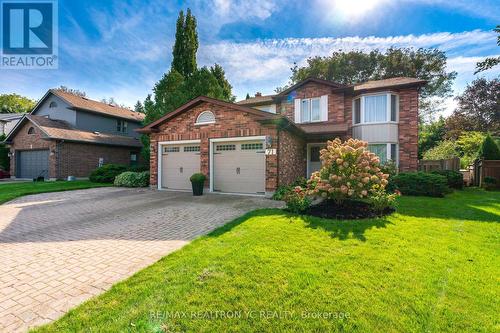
313, 157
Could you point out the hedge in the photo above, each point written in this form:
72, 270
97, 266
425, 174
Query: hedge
420, 183
107, 173
132, 179
455, 179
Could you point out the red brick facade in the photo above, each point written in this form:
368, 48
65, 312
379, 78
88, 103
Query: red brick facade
68, 158
408, 130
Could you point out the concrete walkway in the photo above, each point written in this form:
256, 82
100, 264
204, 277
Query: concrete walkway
59, 249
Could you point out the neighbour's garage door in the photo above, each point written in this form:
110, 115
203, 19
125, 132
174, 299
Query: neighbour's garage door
239, 167
32, 164
179, 162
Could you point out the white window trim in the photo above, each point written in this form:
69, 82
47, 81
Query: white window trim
159, 156
388, 150
310, 110
211, 154
198, 123
388, 108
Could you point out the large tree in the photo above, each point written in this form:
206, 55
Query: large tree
14, 103
358, 66
492, 61
478, 108
430, 135
186, 44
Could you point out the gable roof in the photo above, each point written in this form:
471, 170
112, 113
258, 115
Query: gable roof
308, 80
11, 116
257, 100
61, 130
89, 105
201, 99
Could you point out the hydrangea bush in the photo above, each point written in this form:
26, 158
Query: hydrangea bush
349, 171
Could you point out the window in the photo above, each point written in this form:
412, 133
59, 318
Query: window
315, 154
190, 149
31, 130
121, 126
252, 146
53, 105
377, 108
310, 110
133, 158
385, 151
380, 150
171, 149
357, 110
206, 117
225, 147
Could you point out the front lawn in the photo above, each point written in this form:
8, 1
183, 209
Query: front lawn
431, 267
11, 191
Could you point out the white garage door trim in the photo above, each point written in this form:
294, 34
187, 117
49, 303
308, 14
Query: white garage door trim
233, 139
159, 156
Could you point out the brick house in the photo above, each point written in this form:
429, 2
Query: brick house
68, 135
257, 144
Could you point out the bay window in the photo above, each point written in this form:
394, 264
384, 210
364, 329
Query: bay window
375, 108
385, 151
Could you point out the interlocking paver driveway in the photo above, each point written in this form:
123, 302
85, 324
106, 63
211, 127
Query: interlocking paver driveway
59, 249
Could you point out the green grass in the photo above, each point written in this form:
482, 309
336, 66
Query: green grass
431, 267
11, 191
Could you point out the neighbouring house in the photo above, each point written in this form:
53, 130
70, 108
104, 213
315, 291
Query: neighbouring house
257, 144
69, 135
8, 121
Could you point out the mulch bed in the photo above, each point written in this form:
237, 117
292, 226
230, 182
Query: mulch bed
349, 210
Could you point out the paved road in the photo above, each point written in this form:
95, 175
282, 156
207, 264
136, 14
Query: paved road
59, 249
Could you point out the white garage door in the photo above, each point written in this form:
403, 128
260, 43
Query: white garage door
179, 162
239, 167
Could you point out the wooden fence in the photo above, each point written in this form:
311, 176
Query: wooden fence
437, 165
481, 169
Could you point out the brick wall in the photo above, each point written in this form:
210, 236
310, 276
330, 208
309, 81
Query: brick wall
292, 158
80, 159
408, 130
229, 123
336, 103
25, 141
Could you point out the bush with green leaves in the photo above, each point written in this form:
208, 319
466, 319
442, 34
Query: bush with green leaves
297, 200
455, 179
283, 190
198, 178
489, 183
132, 179
107, 173
421, 183
489, 149
381, 200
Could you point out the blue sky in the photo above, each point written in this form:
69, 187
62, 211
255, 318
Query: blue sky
121, 48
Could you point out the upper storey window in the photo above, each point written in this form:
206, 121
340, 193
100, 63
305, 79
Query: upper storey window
53, 105
206, 117
376, 108
311, 110
121, 126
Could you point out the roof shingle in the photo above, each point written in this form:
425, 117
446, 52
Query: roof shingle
84, 103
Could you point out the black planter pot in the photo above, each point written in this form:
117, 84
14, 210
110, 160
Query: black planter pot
197, 188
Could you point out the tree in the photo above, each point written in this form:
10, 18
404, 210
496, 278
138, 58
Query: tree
430, 135
73, 91
489, 149
220, 75
149, 107
478, 108
468, 146
186, 44
357, 66
248, 96
444, 150
14, 103
489, 62
138, 107
169, 93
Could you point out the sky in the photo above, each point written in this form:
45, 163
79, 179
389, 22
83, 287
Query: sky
120, 48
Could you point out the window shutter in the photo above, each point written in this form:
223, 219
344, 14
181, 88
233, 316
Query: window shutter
324, 107
297, 110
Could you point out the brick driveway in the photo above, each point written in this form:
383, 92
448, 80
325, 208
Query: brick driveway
59, 249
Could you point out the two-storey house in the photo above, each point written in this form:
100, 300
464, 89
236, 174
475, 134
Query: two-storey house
69, 135
254, 145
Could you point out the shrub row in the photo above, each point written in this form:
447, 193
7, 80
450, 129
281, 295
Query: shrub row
108, 172
132, 179
420, 183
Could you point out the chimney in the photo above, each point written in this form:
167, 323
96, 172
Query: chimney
258, 94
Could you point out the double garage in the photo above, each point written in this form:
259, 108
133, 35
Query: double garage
237, 165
